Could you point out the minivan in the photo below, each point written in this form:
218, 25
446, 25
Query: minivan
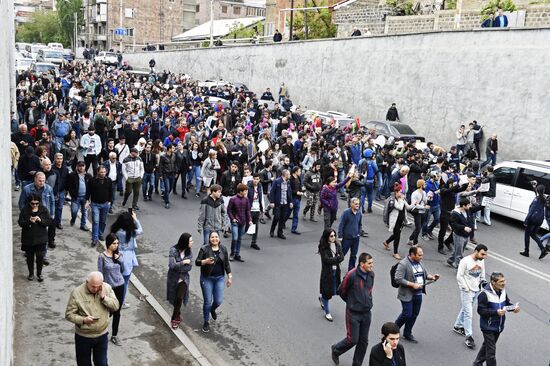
515, 186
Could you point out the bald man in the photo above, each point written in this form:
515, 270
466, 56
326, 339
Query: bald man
88, 308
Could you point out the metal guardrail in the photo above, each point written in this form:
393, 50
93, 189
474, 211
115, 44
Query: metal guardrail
202, 43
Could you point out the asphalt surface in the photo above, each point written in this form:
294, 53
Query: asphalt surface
271, 315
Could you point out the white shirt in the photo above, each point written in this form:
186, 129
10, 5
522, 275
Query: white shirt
112, 171
470, 273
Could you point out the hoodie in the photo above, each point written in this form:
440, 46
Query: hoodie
212, 214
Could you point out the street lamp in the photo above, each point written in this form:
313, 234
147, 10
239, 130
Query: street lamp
211, 23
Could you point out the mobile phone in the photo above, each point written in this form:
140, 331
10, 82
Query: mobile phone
131, 210
95, 318
385, 343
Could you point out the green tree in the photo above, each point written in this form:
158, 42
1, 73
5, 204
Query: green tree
44, 27
493, 5
319, 22
402, 7
240, 31
65, 17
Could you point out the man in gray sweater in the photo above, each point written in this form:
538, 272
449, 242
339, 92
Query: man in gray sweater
212, 213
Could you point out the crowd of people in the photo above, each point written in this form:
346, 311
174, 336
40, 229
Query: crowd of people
113, 132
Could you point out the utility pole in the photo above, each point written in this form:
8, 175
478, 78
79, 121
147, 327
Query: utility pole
305, 20
211, 23
291, 19
120, 25
75, 31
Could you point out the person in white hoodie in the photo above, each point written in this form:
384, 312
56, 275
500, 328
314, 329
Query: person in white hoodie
470, 275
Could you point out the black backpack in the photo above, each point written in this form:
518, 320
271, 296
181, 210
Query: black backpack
393, 269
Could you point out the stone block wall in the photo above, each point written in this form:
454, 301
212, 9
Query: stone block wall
361, 16
409, 24
470, 19
537, 16
445, 20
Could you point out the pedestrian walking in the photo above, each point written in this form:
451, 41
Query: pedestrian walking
132, 170
212, 213
297, 192
62, 172
389, 352
349, 230
397, 221
312, 184
180, 260
214, 262
330, 251
78, 183
280, 197
533, 221
492, 305
127, 228
114, 174
356, 291
34, 220
100, 196
448, 193
256, 202
412, 277
470, 277
329, 199
91, 148
462, 222
168, 170
88, 309
110, 263
238, 211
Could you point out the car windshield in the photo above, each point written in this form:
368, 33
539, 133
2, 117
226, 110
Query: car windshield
53, 54
44, 68
35, 49
403, 129
110, 54
24, 62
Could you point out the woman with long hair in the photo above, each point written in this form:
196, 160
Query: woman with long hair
396, 220
177, 282
34, 220
110, 263
329, 199
419, 201
533, 221
195, 158
331, 254
127, 227
214, 262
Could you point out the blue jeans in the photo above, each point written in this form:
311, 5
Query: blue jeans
366, 192
546, 238
195, 171
212, 294
464, 319
59, 206
436, 212
382, 185
237, 232
147, 184
352, 244
167, 184
491, 159
295, 213
85, 347
126, 282
99, 219
408, 315
326, 301
341, 177
76, 204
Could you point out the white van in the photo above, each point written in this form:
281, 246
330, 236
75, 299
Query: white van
515, 190
57, 46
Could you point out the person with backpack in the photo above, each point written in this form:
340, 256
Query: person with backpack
369, 169
396, 221
356, 291
412, 278
533, 221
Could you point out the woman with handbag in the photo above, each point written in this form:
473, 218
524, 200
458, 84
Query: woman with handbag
396, 220
214, 262
110, 263
419, 200
331, 254
177, 281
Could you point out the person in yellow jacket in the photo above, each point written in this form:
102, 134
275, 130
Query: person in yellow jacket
88, 308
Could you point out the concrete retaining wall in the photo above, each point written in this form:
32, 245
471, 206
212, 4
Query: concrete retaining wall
438, 80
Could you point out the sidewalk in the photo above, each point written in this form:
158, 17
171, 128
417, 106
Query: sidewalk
42, 336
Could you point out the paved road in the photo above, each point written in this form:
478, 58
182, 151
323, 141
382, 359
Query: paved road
271, 315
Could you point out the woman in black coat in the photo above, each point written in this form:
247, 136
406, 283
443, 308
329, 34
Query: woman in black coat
331, 257
183, 165
34, 220
177, 282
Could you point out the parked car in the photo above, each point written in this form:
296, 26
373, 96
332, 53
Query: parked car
215, 100
32, 49
107, 58
22, 49
342, 119
50, 55
37, 68
515, 186
399, 131
22, 64
68, 54
57, 46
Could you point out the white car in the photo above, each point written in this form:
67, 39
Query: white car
50, 55
515, 186
107, 58
22, 64
38, 68
57, 46
33, 49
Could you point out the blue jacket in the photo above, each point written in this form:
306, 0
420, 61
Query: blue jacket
433, 186
496, 22
355, 151
535, 215
488, 302
48, 198
275, 193
350, 224
371, 168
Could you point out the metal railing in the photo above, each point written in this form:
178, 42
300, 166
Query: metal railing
200, 43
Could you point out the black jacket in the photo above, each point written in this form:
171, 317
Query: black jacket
265, 179
206, 252
33, 234
72, 183
312, 181
182, 161
492, 180
229, 185
378, 356
150, 162
459, 222
328, 261
447, 196
356, 290
168, 165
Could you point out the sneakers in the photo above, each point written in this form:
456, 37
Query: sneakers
328, 317
231, 257
174, 324
459, 330
425, 237
40, 278
17, 188
470, 342
116, 341
430, 236
84, 228
167, 205
206, 327
410, 243
524, 253
334, 356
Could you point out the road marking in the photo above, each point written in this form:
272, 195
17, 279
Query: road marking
502, 258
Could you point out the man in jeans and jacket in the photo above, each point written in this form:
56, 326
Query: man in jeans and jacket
470, 276
100, 196
238, 210
132, 170
168, 171
462, 222
349, 230
89, 308
256, 201
412, 277
356, 291
212, 213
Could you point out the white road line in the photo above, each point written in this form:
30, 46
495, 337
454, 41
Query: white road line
502, 258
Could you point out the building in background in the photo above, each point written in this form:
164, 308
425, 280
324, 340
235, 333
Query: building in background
277, 17
229, 9
142, 22
24, 9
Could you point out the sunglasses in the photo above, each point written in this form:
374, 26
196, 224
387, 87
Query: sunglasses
35, 203
332, 236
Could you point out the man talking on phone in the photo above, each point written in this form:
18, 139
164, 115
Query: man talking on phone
88, 308
388, 352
